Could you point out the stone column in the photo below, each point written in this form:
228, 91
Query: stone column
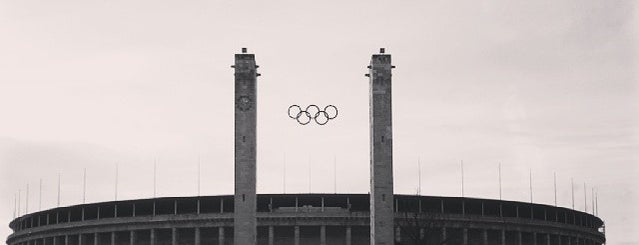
323, 235
152, 237
503, 237
197, 235
66, 239
113, 238
220, 237
55, 240
519, 240
569, 239
534, 239
174, 236
444, 237
132, 238
348, 235
296, 237
80, 239
271, 235
465, 236
484, 236
381, 150
95, 239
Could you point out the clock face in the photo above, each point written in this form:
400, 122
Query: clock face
244, 103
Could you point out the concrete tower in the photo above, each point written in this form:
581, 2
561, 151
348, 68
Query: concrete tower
381, 137
244, 219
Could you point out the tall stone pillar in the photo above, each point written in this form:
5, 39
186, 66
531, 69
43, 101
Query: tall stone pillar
112, 238
348, 235
381, 165
245, 229
96, 240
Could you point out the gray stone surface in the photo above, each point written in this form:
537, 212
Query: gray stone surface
245, 149
381, 165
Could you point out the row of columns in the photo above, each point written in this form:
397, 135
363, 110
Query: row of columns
484, 236
271, 237
174, 237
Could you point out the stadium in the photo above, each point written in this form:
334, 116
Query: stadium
351, 219
307, 219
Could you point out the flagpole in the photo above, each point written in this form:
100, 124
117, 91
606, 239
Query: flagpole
84, 186
572, 188
462, 178
530, 183
40, 196
555, 186
419, 177
58, 190
499, 181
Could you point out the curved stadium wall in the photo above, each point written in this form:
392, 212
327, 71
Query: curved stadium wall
306, 219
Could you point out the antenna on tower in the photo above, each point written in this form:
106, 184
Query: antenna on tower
499, 168
462, 178
419, 177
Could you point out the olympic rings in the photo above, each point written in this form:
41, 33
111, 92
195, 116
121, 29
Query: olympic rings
312, 113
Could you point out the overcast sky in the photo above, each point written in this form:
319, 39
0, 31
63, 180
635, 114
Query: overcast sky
542, 86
